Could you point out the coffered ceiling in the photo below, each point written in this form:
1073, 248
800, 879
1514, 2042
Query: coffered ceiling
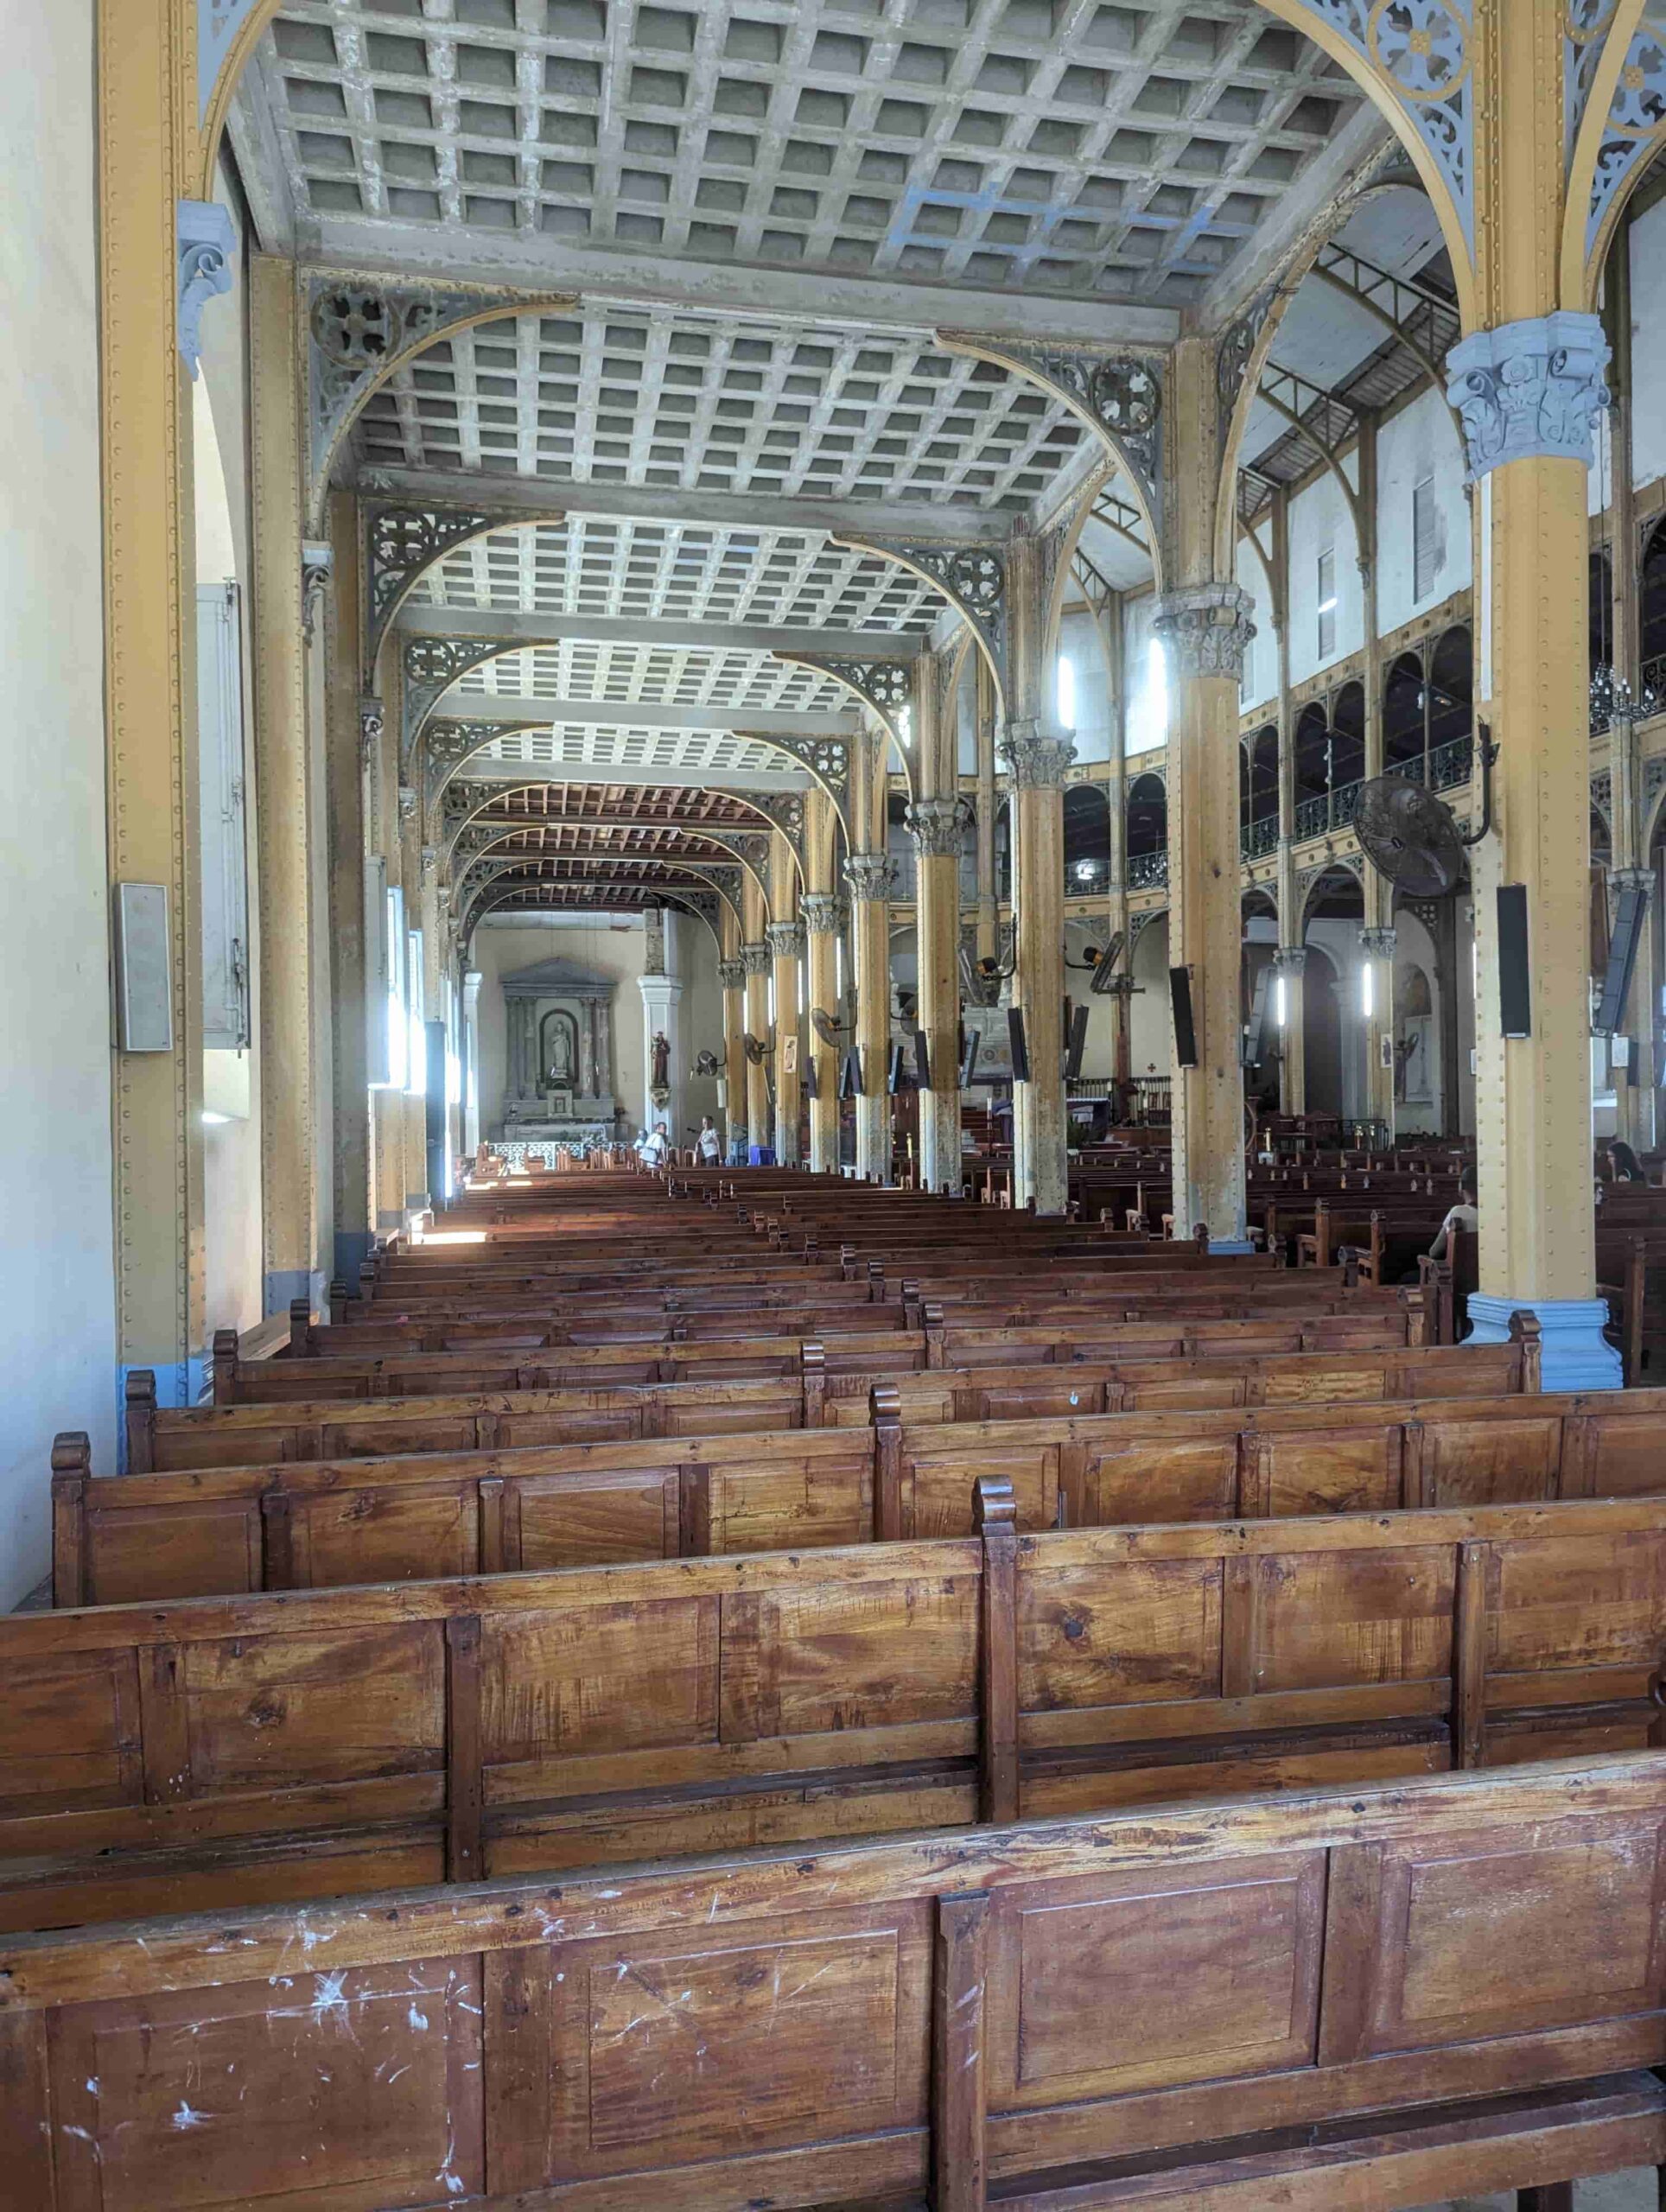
767, 214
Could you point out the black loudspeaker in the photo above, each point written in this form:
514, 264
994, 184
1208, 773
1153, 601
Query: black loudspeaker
1020, 1050
851, 1075
812, 1084
893, 1071
1078, 1044
922, 1061
967, 1056
1179, 998
1622, 959
1514, 991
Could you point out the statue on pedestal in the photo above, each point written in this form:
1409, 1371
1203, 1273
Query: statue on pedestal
660, 1079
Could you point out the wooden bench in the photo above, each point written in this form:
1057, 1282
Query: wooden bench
1400, 1995
357, 1737
669, 1491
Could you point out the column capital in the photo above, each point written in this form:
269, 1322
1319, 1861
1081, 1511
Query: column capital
1290, 959
938, 825
1632, 879
1037, 762
407, 803
786, 940
1530, 388
731, 975
205, 245
821, 913
371, 721
1379, 943
869, 875
754, 959
1206, 628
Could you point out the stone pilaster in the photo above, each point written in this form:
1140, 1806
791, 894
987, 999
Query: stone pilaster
939, 826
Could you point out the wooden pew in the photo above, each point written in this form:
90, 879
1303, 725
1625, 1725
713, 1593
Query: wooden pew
674, 1490
350, 1737
595, 1390
1238, 2006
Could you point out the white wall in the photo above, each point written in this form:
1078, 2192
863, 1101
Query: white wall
1420, 441
58, 1346
1146, 721
1150, 1030
1320, 517
1648, 344
1261, 662
1079, 643
605, 948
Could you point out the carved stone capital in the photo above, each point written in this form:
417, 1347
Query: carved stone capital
731, 975
317, 567
1378, 944
869, 875
786, 940
1290, 960
204, 242
407, 803
820, 912
1036, 762
1632, 879
938, 825
371, 723
431, 859
754, 959
1529, 389
1206, 629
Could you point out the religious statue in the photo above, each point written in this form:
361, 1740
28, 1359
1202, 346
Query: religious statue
559, 1074
660, 1050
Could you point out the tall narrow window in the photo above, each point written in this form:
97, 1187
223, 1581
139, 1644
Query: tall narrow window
222, 835
1327, 589
1427, 554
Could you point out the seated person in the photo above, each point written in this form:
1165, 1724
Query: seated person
1627, 1167
1462, 1216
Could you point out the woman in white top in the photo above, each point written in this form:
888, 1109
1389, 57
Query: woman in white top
711, 1147
652, 1146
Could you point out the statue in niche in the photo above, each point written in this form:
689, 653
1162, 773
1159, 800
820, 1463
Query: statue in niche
558, 1041
660, 1052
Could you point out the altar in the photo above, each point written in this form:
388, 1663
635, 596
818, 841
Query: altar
558, 1073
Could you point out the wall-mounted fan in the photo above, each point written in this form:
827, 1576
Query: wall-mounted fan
1101, 963
825, 1027
1413, 838
757, 1051
707, 1063
981, 979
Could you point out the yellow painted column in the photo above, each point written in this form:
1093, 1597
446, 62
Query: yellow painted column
756, 963
1290, 966
283, 770
352, 956
1037, 764
147, 118
938, 825
937, 820
1528, 382
1533, 1092
988, 801
867, 877
819, 910
1205, 630
786, 949
733, 977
